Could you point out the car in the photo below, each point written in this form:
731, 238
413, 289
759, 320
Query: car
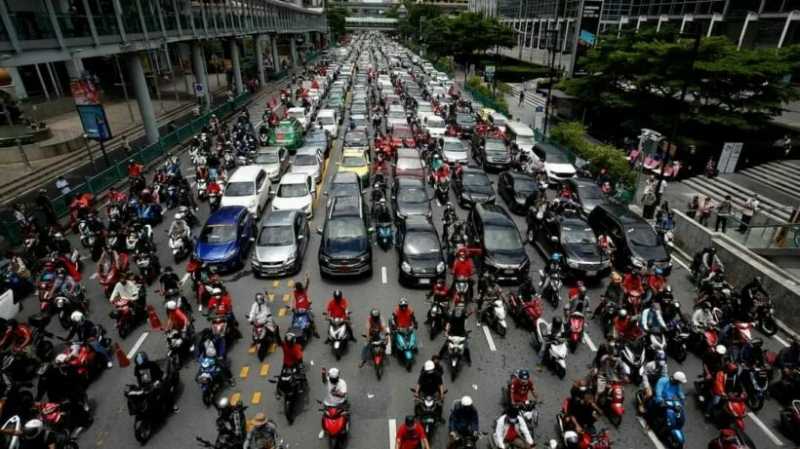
493, 154
274, 160
402, 135
288, 134
556, 163
319, 138
424, 109
248, 186
345, 248
300, 115
515, 188
396, 116
308, 160
281, 244
454, 151
498, 120
329, 120
356, 162
355, 139
588, 193
295, 191
343, 184
406, 166
571, 235
465, 122
358, 121
635, 242
225, 238
358, 108
435, 126
502, 248
410, 198
420, 258
473, 186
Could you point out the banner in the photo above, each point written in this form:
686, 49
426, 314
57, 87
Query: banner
729, 157
586, 37
84, 92
94, 121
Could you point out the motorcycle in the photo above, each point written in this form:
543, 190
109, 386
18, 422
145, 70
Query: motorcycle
209, 376
291, 386
551, 293
91, 239
428, 410
612, 401
202, 189
764, 315
585, 440
734, 439
181, 246
87, 363
149, 266
126, 315
494, 316
108, 272
338, 336
677, 337
150, 405
442, 191
755, 383
556, 356
385, 237
525, 313
436, 317
66, 304
633, 355
377, 346
728, 413
265, 334
576, 324
463, 290
150, 213
335, 425
667, 422
405, 345
179, 347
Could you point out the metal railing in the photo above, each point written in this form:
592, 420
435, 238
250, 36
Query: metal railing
760, 236
486, 101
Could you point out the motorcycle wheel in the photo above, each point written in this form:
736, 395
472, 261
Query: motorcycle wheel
674, 443
142, 430
123, 329
755, 402
768, 326
379, 371
262, 350
287, 410
454, 373
679, 353
208, 397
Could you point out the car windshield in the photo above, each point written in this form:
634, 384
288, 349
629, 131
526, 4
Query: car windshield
299, 115
305, 159
412, 195
525, 140
240, 189
525, 185
317, 138
285, 128
276, 236
476, 179
218, 234
344, 189
418, 243
453, 145
344, 229
499, 121
326, 120
435, 122
407, 163
292, 190
502, 238
494, 146
353, 161
424, 108
267, 158
556, 157
643, 236
577, 235
355, 138
397, 114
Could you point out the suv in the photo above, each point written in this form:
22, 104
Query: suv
571, 235
492, 154
635, 240
502, 248
345, 249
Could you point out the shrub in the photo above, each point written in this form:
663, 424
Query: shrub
573, 136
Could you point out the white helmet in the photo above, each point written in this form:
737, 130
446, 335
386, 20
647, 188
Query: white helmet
76, 317
171, 305
429, 366
33, 427
571, 437
721, 350
333, 374
679, 377
61, 359
466, 401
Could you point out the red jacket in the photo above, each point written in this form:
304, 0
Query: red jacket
214, 188
19, 337
221, 304
301, 301
718, 388
632, 283
292, 353
403, 319
411, 437
463, 268
338, 309
520, 389
177, 320
135, 170
440, 291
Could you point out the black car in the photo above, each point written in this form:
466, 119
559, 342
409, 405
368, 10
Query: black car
319, 138
502, 248
636, 243
588, 193
410, 198
345, 250
343, 184
515, 188
421, 259
465, 122
492, 154
473, 186
572, 236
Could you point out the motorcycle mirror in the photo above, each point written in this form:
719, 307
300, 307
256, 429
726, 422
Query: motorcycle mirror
273, 381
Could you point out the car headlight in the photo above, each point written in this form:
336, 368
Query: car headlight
405, 267
440, 267
572, 264
307, 208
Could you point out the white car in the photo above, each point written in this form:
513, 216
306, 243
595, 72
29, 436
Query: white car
248, 187
300, 115
295, 192
396, 116
435, 126
424, 109
329, 121
556, 164
454, 151
308, 160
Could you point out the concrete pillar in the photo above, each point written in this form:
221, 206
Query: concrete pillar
309, 43
74, 67
262, 80
19, 86
140, 90
293, 50
276, 57
199, 69
236, 66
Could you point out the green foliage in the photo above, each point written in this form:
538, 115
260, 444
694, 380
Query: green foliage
417, 13
336, 20
483, 94
572, 135
465, 35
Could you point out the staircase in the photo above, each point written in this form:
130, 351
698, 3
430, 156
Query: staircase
717, 188
783, 176
532, 99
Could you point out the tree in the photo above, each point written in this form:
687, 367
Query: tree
336, 20
417, 13
466, 34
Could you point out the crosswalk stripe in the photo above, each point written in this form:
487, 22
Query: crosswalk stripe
264, 372
244, 372
271, 297
256, 399
235, 397
282, 312
276, 284
290, 283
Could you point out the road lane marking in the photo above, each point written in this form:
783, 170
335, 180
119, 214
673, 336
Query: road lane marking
766, 430
184, 279
656, 442
273, 347
271, 297
290, 283
264, 371
252, 349
681, 263
319, 186
276, 284
244, 372
137, 345
256, 399
589, 342
489, 338
235, 397
93, 276
781, 341
384, 275
282, 312
392, 433
286, 298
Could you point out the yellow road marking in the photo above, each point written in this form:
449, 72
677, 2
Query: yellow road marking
256, 399
235, 397
265, 367
290, 283
287, 297
244, 372
282, 312
276, 284
271, 297
273, 347
319, 186
249, 425
252, 349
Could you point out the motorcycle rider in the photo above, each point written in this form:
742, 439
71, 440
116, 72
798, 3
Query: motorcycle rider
179, 227
581, 409
520, 388
149, 374
552, 266
714, 361
623, 326
578, 300
231, 421
652, 320
703, 317
336, 388
339, 307
376, 329
527, 290
614, 294
403, 316
652, 371
64, 284
34, 435
169, 280
722, 382
127, 288
609, 368
302, 302
556, 330
380, 212
512, 432
463, 268
463, 421
747, 296
87, 332
292, 352
668, 389
430, 384
221, 304
440, 294
456, 326
259, 310
262, 435
15, 336
411, 435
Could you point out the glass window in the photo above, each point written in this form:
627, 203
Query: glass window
218, 234
419, 243
292, 190
240, 189
475, 179
502, 238
276, 236
577, 235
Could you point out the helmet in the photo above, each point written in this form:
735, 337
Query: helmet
403, 302
60, 359
523, 374
756, 342
512, 416
458, 311
33, 428
616, 277
409, 420
721, 349
183, 210
290, 338
76, 317
429, 366
171, 305
58, 235
337, 294
375, 313
555, 257
622, 313
571, 437
260, 298
223, 403
333, 375
141, 358
731, 368
679, 377
466, 401
168, 269
557, 322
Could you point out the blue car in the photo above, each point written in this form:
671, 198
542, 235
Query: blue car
226, 238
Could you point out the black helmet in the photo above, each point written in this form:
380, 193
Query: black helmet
557, 321
168, 269
337, 294
403, 302
523, 374
410, 420
259, 298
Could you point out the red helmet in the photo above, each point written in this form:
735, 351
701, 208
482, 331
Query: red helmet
731, 368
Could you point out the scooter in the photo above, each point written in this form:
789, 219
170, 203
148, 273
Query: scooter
612, 401
149, 266
556, 356
436, 317
584, 440
181, 246
576, 324
405, 345
265, 333
210, 378
729, 413
428, 410
291, 386
456, 349
377, 345
633, 355
338, 336
525, 313
385, 237
126, 315
668, 423
202, 189
335, 425
494, 316
551, 293
755, 381
301, 326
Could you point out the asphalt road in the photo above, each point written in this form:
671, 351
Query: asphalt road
377, 406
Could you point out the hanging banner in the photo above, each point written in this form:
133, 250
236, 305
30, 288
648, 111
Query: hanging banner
586, 38
84, 92
94, 121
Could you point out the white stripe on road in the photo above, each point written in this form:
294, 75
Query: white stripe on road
489, 338
681, 263
384, 275
588, 340
392, 433
184, 279
766, 430
656, 442
138, 344
93, 276
781, 341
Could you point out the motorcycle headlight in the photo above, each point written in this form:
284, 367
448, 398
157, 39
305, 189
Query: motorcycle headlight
440, 267
406, 267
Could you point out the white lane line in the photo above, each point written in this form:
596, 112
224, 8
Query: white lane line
138, 344
489, 338
384, 275
681, 263
781, 341
93, 276
589, 342
392, 433
184, 279
656, 442
766, 430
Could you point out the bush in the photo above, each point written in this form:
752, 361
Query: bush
573, 136
518, 74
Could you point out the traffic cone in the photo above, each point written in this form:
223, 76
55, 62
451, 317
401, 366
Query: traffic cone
122, 358
152, 318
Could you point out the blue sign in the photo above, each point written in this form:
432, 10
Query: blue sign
94, 121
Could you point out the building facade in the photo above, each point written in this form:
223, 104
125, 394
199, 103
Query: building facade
372, 14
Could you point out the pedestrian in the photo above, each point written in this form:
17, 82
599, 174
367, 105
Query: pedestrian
521, 97
20, 215
44, 204
750, 209
126, 146
724, 211
694, 205
649, 200
705, 211
63, 185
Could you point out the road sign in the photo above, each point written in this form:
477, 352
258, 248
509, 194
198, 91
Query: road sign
199, 90
94, 121
489, 72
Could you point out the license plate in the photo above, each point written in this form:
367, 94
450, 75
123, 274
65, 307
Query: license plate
344, 269
591, 273
424, 281
509, 271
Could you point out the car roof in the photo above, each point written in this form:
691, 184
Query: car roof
622, 214
341, 177
452, 139
493, 214
226, 215
346, 206
312, 150
515, 175
279, 218
409, 181
294, 178
268, 150
245, 173
415, 222
326, 112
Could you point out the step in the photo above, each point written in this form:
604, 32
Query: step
531, 98
772, 179
767, 202
793, 162
789, 170
717, 193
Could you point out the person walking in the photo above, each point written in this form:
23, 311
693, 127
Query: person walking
705, 211
724, 211
787, 145
649, 199
750, 209
521, 97
44, 204
694, 205
126, 146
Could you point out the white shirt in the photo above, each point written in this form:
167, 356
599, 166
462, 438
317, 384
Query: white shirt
259, 312
63, 186
125, 290
340, 388
502, 427
750, 207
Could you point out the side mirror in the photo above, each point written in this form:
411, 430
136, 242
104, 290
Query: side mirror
301, 237
371, 230
272, 192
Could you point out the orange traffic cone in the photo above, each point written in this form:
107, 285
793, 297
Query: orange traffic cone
152, 317
122, 358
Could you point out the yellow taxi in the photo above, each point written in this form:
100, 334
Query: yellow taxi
355, 161
485, 113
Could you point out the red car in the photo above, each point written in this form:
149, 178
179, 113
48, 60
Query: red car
406, 166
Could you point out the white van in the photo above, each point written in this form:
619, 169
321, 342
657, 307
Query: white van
248, 187
300, 115
522, 135
498, 120
329, 120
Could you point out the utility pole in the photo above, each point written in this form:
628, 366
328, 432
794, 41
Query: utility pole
552, 80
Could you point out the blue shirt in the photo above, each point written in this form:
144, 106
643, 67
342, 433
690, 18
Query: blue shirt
666, 390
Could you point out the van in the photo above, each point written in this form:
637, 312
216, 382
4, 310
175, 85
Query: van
498, 120
520, 134
329, 119
248, 186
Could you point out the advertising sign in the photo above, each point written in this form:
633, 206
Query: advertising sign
84, 92
729, 157
586, 38
94, 121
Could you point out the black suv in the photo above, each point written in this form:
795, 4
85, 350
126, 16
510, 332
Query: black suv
503, 250
493, 154
636, 242
345, 250
572, 236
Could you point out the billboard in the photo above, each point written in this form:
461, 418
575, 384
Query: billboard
586, 34
94, 121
